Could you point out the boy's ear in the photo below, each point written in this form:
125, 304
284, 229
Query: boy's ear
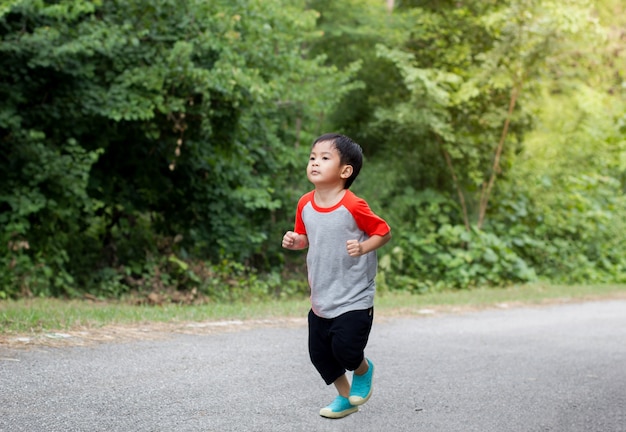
346, 171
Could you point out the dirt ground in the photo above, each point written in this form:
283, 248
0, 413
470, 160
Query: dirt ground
84, 336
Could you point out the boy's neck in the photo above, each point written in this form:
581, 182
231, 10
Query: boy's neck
329, 196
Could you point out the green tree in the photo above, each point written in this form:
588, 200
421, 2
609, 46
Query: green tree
564, 204
133, 129
468, 78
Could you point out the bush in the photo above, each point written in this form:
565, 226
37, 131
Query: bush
571, 236
432, 252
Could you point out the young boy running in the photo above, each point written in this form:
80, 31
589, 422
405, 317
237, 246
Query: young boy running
342, 234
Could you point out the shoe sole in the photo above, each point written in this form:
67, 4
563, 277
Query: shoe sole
340, 414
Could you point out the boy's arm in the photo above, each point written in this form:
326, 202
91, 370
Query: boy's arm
356, 249
295, 241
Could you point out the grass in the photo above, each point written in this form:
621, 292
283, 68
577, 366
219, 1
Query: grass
37, 316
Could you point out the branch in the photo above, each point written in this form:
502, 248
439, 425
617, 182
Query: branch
446, 155
486, 192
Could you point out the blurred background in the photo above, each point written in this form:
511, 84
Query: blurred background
159, 147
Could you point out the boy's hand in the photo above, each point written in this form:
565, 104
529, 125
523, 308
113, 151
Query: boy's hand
354, 248
289, 240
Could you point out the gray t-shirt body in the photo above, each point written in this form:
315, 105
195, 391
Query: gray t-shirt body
339, 283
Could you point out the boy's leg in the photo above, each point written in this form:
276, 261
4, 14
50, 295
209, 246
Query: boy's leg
321, 351
343, 386
332, 372
350, 333
350, 336
363, 367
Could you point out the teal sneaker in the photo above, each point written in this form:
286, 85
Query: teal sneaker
361, 389
338, 408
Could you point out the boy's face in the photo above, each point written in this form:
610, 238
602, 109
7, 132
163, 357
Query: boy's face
325, 166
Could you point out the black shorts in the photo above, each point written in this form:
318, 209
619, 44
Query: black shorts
338, 344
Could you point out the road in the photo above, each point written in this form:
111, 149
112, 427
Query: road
548, 368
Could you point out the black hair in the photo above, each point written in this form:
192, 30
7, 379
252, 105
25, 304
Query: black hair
350, 153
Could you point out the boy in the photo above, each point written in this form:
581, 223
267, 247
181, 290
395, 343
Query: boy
342, 234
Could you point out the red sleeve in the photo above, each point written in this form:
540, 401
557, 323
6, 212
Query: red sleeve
299, 227
365, 218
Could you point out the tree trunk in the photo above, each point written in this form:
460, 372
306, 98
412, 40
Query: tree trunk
487, 187
459, 192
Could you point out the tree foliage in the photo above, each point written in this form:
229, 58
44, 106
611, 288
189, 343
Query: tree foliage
471, 84
161, 144
134, 128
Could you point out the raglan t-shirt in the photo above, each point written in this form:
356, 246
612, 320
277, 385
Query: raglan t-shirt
339, 283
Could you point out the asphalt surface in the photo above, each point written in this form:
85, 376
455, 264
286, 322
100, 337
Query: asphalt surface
550, 368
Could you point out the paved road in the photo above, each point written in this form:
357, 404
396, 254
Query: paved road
556, 368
